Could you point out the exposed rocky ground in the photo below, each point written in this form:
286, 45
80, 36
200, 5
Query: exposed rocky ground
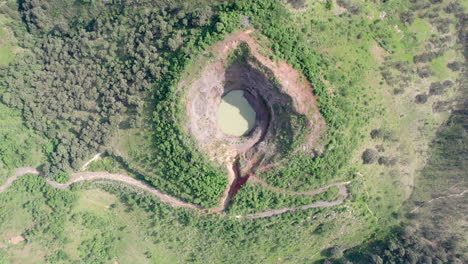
287, 117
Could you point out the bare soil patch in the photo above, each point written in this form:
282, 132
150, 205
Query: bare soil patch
17, 239
378, 53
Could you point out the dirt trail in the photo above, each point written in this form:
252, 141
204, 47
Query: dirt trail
321, 204
439, 198
95, 157
91, 176
232, 188
341, 196
18, 172
312, 192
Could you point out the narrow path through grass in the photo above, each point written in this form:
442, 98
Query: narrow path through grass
92, 176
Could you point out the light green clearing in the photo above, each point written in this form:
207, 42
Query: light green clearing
236, 116
6, 49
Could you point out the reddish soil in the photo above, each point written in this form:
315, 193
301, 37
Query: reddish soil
238, 184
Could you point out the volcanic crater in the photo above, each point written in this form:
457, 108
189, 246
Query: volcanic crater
286, 115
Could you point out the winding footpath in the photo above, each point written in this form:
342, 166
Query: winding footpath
439, 198
19, 172
92, 176
342, 195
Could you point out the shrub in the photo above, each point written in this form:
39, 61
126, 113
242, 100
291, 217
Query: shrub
335, 252
436, 88
447, 83
407, 17
424, 72
454, 7
398, 91
387, 161
61, 177
351, 6
297, 3
438, 107
376, 133
370, 156
380, 148
455, 66
421, 98
390, 135
425, 57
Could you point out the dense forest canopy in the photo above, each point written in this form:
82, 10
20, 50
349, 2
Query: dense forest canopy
93, 71
86, 76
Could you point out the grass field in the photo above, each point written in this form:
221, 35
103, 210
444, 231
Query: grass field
7, 42
103, 212
6, 48
383, 189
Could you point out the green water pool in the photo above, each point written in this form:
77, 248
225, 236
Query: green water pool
236, 116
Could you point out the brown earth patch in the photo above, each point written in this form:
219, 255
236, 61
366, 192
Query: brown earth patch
378, 53
17, 239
